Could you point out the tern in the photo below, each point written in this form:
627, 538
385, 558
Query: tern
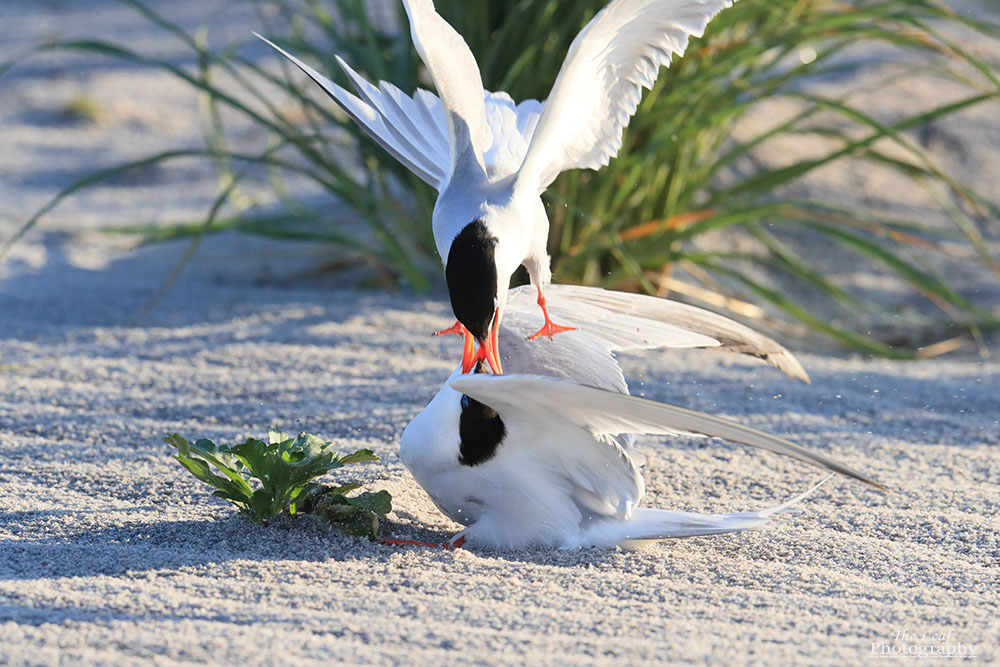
491, 159
544, 455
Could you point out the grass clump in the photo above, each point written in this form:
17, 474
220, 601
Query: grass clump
681, 175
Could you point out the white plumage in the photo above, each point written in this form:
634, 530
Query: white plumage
566, 472
545, 454
599, 86
490, 159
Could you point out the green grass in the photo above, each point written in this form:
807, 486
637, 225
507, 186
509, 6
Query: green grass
680, 176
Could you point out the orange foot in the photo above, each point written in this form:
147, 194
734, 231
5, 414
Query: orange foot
455, 328
550, 328
472, 356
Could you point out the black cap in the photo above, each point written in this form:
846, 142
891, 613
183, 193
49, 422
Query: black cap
471, 273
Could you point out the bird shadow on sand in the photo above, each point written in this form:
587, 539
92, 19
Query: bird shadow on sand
410, 527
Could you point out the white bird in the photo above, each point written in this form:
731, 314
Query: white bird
491, 159
544, 456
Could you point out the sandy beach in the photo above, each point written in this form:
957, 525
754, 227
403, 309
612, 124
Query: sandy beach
112, 554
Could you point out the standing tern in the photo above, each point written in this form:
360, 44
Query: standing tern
545, 455
491, 159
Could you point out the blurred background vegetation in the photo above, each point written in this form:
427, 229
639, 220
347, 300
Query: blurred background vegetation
664, 216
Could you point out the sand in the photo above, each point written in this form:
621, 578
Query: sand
110, 553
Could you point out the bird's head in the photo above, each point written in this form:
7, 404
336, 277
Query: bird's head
474, 288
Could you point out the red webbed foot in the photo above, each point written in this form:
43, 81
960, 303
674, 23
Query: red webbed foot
486, 351
550, 328
455, 328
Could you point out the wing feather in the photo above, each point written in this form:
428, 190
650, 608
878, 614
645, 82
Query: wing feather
731, 336
432, 112
605, 412
458, 81
372, 120
414, 129
405, 114
402, 133
600, 84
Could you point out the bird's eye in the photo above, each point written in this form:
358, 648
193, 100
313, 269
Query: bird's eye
465, 402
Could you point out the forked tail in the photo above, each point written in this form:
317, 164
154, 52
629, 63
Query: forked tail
648, 525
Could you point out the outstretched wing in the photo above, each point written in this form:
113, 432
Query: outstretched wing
600, 83
414, 129
607, 322
458, 81
600, 412
641, 322
410, 129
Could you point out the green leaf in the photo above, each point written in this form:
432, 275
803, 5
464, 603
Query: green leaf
360, 456
379, 502
342, 490
355, 521
180, 443
312, 447
223, 461
225, 488
200, 469
276, 436
297, 495
262, 505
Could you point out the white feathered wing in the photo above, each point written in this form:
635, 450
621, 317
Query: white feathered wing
582, 435
600, 83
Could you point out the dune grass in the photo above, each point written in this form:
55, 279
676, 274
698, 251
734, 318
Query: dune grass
681, 175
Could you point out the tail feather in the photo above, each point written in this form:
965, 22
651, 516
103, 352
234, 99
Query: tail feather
647, 525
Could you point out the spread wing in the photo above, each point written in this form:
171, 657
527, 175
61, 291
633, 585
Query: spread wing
641, 322
579, 407
414, 129
458, 81
608, 322
599, 86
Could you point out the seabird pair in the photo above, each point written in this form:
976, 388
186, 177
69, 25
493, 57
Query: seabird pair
545, 456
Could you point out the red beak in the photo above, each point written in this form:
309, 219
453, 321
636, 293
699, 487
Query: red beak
487, 349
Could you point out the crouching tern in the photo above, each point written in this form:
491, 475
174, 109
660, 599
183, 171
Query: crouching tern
490, 159
545, 455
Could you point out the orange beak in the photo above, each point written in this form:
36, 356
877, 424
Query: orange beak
487, 349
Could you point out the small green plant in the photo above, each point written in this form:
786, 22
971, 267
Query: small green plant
355, 515
284, 469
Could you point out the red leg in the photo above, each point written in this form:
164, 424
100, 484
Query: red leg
455, 328
469, 356
454, 544
411, 543
550, 328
